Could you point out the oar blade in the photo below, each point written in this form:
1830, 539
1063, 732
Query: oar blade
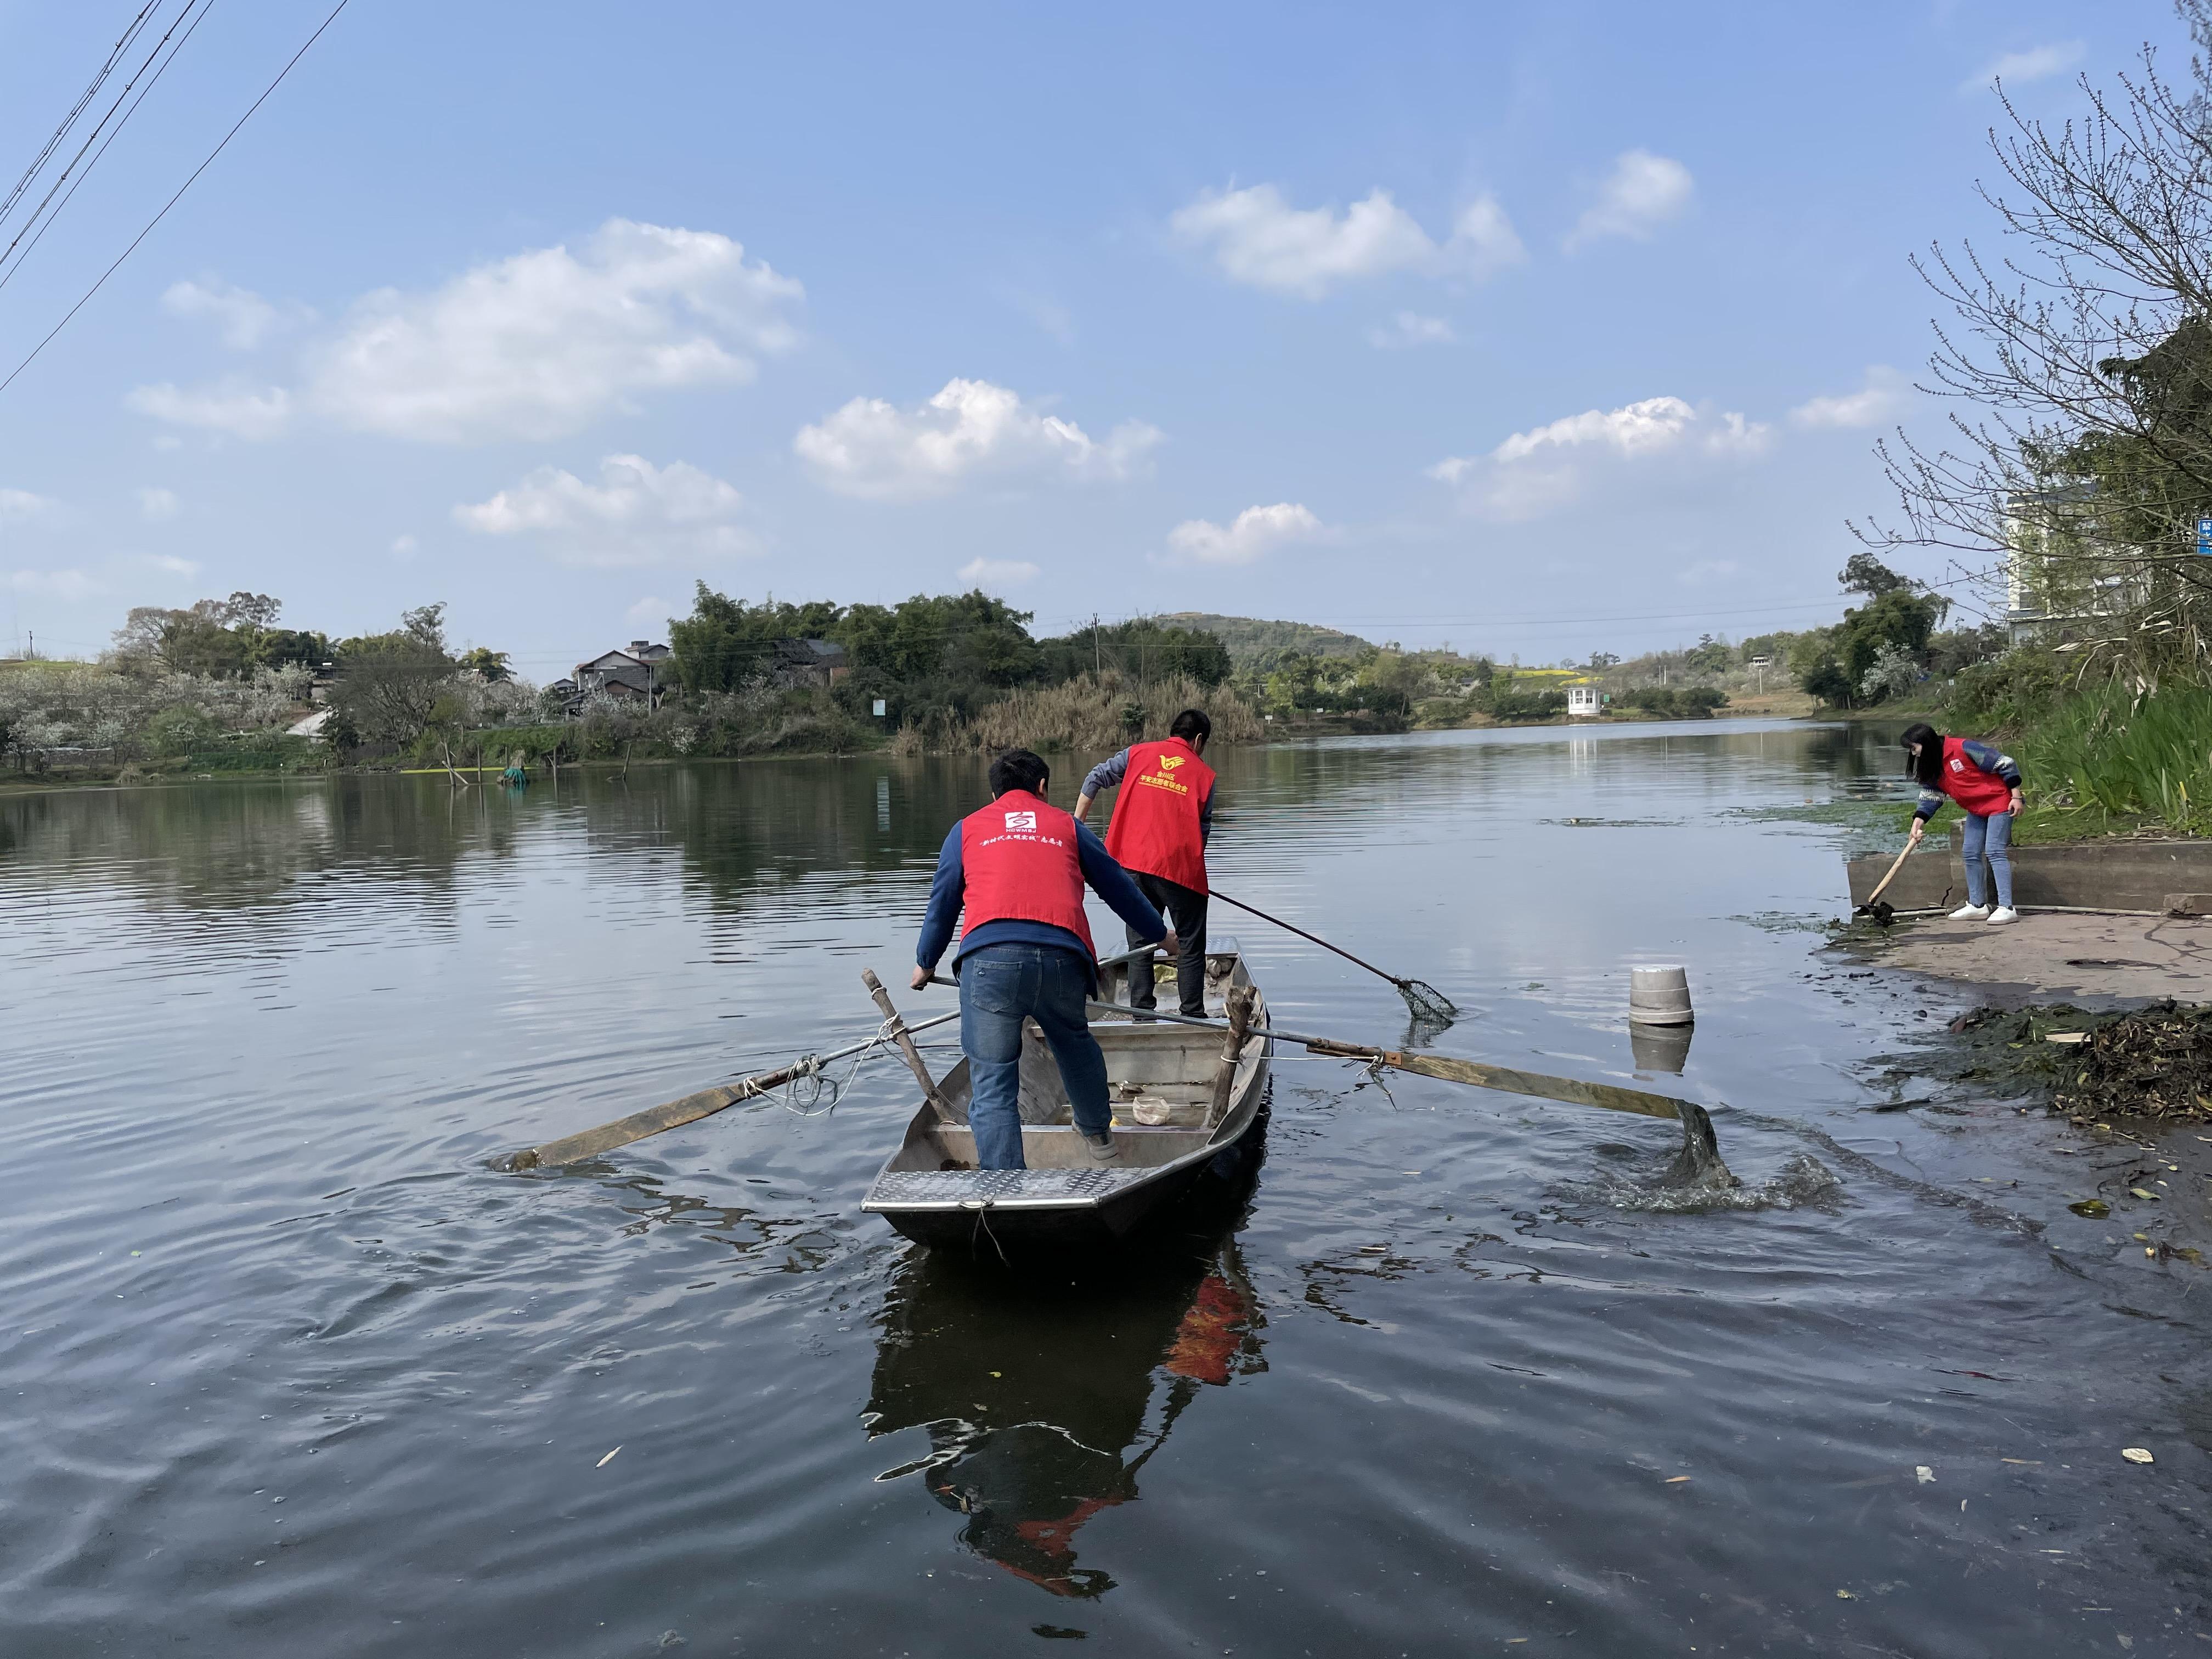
1571, 1089
591, 1143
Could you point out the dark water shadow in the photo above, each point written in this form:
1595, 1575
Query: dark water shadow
1046, 1388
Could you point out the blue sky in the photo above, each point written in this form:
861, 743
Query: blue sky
1537, 329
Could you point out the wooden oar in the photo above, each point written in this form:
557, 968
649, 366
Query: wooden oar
1700, 1157
574, 1149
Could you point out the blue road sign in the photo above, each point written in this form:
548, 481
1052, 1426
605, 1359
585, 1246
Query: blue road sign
2204, 536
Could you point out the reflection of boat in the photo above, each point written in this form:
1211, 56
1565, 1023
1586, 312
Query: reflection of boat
1039, 1400
1169, 1130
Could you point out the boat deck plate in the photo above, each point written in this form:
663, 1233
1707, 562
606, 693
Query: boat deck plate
998, 1186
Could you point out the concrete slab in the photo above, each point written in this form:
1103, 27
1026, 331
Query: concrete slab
2057, 957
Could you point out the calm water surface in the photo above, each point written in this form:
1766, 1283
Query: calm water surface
285, 1368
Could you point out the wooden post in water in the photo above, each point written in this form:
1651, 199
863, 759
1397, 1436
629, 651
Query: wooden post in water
1232, 1050
899, 1035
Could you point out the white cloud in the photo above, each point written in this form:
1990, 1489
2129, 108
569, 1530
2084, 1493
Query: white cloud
971, 430
2019, 68
1258, 238
1549, 466
404, 546
66, 585
636, 513
155, 505
1410, 328
20, 506
1641, 193
536, 345
649, 613
1882, 398
541, 344
241, 411
169, 565
243, 317
1254, 532
998, 573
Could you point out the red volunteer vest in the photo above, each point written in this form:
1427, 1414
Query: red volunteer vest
1155, 827
1018, 863
1968, 785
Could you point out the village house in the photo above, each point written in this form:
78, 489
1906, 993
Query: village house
636, 672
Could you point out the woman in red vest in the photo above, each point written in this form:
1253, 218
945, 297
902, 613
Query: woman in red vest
1986, 783
1162, 819
1013, 875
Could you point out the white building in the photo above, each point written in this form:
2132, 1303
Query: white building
1583, 701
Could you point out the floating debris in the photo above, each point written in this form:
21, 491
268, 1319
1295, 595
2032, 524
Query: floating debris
2137, 1455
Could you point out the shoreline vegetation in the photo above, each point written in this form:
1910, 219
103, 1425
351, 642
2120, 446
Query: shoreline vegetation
217, 690
212, 692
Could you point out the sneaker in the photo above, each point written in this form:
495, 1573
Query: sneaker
2001, 914
1102, 1147
1973, 913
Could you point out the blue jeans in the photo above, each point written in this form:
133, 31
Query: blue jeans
1993, 832
999, 985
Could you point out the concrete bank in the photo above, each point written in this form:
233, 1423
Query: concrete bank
2054, 957
2149, 876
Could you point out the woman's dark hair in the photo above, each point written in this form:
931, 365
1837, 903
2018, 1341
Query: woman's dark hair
1019, 769
1192, 723
1928, 768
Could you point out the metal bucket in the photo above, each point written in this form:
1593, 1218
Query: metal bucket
1659, 996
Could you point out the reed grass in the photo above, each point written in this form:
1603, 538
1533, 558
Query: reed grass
1089, 713
2111, 755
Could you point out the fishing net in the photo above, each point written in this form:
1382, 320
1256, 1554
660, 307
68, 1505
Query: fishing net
1430, 1006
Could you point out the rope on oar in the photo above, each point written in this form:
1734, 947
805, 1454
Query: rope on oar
1427, 1002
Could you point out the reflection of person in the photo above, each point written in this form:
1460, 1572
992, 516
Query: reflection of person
1040, 1407
1986, 785
1162, 820
1013, 874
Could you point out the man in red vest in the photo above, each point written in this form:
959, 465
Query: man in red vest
1162, 819
1012, 875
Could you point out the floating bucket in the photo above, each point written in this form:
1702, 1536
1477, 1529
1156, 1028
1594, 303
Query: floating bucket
1659, 996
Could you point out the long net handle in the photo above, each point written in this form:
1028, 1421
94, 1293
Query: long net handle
1315, 938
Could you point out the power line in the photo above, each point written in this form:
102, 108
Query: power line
174, 200
205, 6
115, 56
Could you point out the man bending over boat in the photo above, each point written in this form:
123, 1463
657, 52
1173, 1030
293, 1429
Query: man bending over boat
1161, 820
1012, 875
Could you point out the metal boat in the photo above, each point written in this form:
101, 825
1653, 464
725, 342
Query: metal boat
1172, 1120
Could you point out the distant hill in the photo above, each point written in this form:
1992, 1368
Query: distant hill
1254, 643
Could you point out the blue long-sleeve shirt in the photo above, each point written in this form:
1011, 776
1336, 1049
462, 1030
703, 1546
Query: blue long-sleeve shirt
1109, 773
1991, 760
948, 891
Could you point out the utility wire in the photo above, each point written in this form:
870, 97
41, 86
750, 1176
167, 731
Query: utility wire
93, 137
174, 200
114, 56
10, 275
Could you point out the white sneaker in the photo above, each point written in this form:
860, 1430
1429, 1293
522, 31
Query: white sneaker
1974, 913
2001, 914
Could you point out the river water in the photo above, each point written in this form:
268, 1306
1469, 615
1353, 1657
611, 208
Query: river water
287, 1368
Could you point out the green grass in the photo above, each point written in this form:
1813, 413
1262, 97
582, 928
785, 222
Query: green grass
2106, 762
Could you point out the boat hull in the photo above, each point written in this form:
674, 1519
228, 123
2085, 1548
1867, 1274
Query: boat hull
931, 1192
